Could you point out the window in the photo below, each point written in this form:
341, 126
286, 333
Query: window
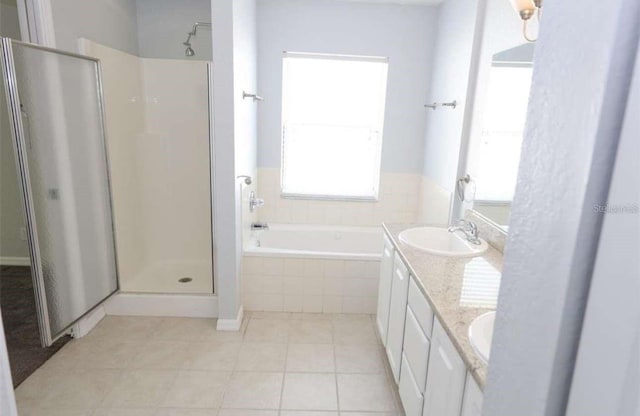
332, 118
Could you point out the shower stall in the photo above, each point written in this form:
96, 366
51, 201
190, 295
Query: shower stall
157, 119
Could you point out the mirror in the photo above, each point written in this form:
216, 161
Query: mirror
494, 152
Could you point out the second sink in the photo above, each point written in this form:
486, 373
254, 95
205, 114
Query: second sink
481, 335
439, 241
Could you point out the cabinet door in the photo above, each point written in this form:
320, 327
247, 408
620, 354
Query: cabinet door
384, 290
415, 349
410, 394
397, 311
472, 402
445, 377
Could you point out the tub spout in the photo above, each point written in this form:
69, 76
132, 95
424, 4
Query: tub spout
259, 226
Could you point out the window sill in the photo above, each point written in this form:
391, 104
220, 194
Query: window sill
335, 198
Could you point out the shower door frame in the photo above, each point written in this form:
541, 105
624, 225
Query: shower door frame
22, 165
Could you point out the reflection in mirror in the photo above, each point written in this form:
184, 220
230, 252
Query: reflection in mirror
495, 151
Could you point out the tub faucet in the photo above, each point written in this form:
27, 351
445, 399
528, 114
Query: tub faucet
469, 228
259, 226
254, 202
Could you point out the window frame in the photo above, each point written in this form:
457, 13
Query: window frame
378, 162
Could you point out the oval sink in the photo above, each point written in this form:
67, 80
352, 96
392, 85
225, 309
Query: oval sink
481, 334
441, 242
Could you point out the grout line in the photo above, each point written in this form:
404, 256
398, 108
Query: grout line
284, 374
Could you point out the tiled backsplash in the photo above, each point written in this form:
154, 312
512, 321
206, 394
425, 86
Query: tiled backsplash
309, 285
399, 201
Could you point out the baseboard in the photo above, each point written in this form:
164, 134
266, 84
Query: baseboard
15, 261
231, 324
143, 304
88, 322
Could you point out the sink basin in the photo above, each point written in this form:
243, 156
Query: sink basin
481, 333
441, 242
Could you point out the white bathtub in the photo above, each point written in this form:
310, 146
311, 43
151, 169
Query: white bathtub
309, 268
317, 241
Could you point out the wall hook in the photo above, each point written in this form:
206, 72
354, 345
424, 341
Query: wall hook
255, 97
453, 104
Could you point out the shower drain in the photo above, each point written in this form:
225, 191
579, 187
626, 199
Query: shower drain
185, 280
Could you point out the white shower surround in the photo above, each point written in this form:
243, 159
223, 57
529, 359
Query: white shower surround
158, 141
312, 268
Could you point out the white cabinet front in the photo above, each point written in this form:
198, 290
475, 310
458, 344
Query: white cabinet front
445, 377
384, 290
397, 309
415, 349
410, 393
472, 402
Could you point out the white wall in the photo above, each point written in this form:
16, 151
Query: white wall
234, 69
12, 248
452, 60
580, 86
163, 26
403, 33
109, 22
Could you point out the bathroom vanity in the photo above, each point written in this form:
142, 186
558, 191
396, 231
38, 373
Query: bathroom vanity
426, 304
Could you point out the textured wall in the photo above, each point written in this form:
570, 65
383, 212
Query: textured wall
568, 152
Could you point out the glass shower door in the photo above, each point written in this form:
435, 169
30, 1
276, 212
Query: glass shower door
55, 102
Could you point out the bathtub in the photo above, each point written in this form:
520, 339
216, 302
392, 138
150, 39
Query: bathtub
317, 242
311, 268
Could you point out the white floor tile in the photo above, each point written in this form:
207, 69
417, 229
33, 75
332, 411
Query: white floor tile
311, 358
309, 392
262, 357
310, 332
365, 392
249, 390
366, 358
197, 389
141, 388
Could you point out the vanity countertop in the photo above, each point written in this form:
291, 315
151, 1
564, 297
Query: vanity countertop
458, 290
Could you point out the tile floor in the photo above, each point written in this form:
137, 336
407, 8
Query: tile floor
279, 364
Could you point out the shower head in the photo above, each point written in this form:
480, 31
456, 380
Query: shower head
189, 51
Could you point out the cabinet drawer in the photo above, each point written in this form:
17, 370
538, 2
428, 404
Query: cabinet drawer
410, 394
420, 307
416, 349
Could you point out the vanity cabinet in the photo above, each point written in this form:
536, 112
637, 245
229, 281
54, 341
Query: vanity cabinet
472, 401
397, 313
384, 290
431, 376
445, 377
415, 351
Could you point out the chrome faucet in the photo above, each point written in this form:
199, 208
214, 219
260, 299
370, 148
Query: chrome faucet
254, 202
259, 226
469, 228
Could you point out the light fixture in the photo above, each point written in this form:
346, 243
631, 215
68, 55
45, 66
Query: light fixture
526, 9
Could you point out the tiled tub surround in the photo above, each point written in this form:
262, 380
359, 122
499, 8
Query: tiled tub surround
301, 268
398, 201
457, 289
287, 284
